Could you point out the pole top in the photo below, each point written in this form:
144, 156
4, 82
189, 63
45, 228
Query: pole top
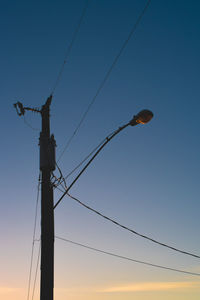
49, 99
47, 104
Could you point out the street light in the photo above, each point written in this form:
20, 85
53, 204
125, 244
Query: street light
143, 117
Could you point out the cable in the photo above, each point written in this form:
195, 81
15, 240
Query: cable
36, 271
33, 240
106, 76
59, 181
70, 46
62, 177
80, 164
91, 159
30, 126
131, 230
59, 189
127, 258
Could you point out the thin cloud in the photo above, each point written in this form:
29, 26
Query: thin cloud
133, 287
151, 286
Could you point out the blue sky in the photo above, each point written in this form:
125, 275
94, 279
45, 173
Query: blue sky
147, 177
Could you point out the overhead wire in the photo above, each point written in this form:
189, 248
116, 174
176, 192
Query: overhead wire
58, 188
86, 158
127, 258
105, 78
90, 161
131, 230
36, 272
62, 177
70, 46
59, 181
33, 239
29, 125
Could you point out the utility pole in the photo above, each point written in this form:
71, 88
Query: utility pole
47, 165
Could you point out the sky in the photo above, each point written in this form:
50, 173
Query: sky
146, 178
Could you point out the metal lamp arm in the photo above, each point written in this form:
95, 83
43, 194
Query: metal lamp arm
89, 162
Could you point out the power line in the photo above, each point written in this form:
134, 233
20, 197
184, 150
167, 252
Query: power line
86, 158
131, 230
70, 46
36, 271
33, 240
127, 258
91, 159
106, 76
60, 189
29, 125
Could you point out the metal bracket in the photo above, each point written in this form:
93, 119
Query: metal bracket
19, 106
21, 109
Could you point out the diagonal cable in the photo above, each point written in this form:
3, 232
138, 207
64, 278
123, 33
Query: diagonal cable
33, 240
86, 158
131, 230
36, 272
106, 76
127, 258
70, 47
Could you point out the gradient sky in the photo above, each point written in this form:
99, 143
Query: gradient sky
147, 178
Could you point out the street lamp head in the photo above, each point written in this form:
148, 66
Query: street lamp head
143, 117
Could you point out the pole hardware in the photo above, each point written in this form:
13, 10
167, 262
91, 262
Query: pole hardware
47, 152
21, 109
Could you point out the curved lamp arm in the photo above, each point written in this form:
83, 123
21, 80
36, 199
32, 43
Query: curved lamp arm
142, 117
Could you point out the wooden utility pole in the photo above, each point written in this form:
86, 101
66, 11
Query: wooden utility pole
47, 165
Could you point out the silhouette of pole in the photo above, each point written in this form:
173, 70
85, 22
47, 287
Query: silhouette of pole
47, 165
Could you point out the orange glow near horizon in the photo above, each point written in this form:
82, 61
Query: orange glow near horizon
154, 289
152, 286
